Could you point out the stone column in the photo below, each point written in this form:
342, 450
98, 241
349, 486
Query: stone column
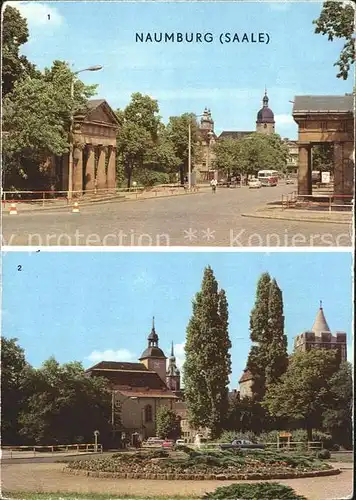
338, 169
101, 174
111, 176
90, 169
304, 170
77, 171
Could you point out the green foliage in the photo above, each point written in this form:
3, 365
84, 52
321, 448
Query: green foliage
246, 415
167, 423
268, 358
336, 20
323, 157
13, 373
337, 417
254, 491
14, 34
207, 366
65, 405
177, 131
37, 116
261, 151
323, 454
228, 156
302, 393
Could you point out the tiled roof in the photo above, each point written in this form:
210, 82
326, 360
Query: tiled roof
234, 134
323, 104
247, 375
148, 394
118, 365
131, 378
320, 323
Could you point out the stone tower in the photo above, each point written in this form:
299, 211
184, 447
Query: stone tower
173, 373
265, 118
153, 357
320, 337
206, 121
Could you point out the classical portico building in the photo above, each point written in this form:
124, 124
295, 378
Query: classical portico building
94, 151
326, 119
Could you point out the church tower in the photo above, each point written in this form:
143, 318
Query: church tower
173, 374
206, 121
153, 357
265, 118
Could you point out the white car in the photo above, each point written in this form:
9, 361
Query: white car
289, 181
254, 184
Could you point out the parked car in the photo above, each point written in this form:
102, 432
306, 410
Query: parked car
153, 442
254, 184
289, 181
242, 444
168, 443
180, 442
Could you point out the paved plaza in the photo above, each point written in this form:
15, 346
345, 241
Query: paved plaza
48, 477
201, 219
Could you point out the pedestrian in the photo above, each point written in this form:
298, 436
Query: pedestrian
213, 185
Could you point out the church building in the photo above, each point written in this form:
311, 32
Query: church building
139, 389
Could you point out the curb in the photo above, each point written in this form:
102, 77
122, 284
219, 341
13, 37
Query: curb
201, 477
295, 219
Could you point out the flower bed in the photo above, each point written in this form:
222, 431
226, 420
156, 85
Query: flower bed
199, 465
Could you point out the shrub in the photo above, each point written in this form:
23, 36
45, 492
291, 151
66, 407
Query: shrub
158, 454
253, 491
323, 454
184, 448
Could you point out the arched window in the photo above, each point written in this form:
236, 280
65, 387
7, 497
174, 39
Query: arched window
148, 413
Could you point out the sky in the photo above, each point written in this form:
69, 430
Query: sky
90, 306
228, 78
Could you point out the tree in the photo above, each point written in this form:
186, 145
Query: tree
268, 357
13, 370
323, 157
178, 132
337, 418
138, 134
302, 392
36, 122
337, 21
246, 415
167, 423
227, 156
65, 405
261, 151
14, 34
208, 366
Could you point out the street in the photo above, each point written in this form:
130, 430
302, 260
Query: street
202, 219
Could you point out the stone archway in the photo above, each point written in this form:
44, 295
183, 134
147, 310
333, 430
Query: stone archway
324, 119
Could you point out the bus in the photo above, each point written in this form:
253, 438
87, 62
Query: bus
268, 177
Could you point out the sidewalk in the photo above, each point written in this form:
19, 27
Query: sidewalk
304, 215
59, 204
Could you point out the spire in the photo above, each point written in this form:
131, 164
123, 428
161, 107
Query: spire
172, 350
265, 99
153, 337
320, 323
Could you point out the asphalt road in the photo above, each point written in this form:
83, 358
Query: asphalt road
202, 219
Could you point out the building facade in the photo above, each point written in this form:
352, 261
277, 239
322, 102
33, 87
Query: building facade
140, 389
321, 337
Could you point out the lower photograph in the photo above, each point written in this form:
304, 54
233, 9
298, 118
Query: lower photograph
177, 375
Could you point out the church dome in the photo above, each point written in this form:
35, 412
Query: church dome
265, 114
152, 350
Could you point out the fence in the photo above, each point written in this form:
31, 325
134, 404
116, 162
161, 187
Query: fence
47, 197
326, 201
58, 448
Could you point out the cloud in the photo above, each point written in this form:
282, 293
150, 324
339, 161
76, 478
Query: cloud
39, 14
284, 119
111, 355
179, 354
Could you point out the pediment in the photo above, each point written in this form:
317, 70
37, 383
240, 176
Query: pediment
101, 114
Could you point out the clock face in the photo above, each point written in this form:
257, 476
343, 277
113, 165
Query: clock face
156, 364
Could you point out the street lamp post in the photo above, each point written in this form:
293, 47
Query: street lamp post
210, 135
71, 148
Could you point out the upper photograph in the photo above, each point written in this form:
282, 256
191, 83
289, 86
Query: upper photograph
190, 124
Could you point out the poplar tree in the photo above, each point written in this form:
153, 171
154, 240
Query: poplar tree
268, 358
208, 365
